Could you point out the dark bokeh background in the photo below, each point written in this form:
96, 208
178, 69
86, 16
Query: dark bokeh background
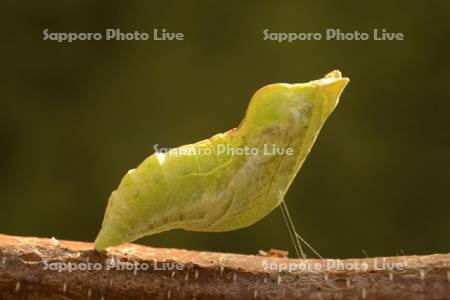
75, 117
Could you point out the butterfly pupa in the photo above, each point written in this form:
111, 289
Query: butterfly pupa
231, 180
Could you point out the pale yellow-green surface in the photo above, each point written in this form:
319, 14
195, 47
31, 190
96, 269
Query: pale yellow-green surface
200, 187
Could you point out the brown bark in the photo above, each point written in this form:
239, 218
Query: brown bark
206, 275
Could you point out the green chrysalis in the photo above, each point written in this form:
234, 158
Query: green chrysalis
231, 180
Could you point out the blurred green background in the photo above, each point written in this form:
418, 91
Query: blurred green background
75, 117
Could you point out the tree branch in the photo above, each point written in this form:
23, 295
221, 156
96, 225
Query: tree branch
37, 268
